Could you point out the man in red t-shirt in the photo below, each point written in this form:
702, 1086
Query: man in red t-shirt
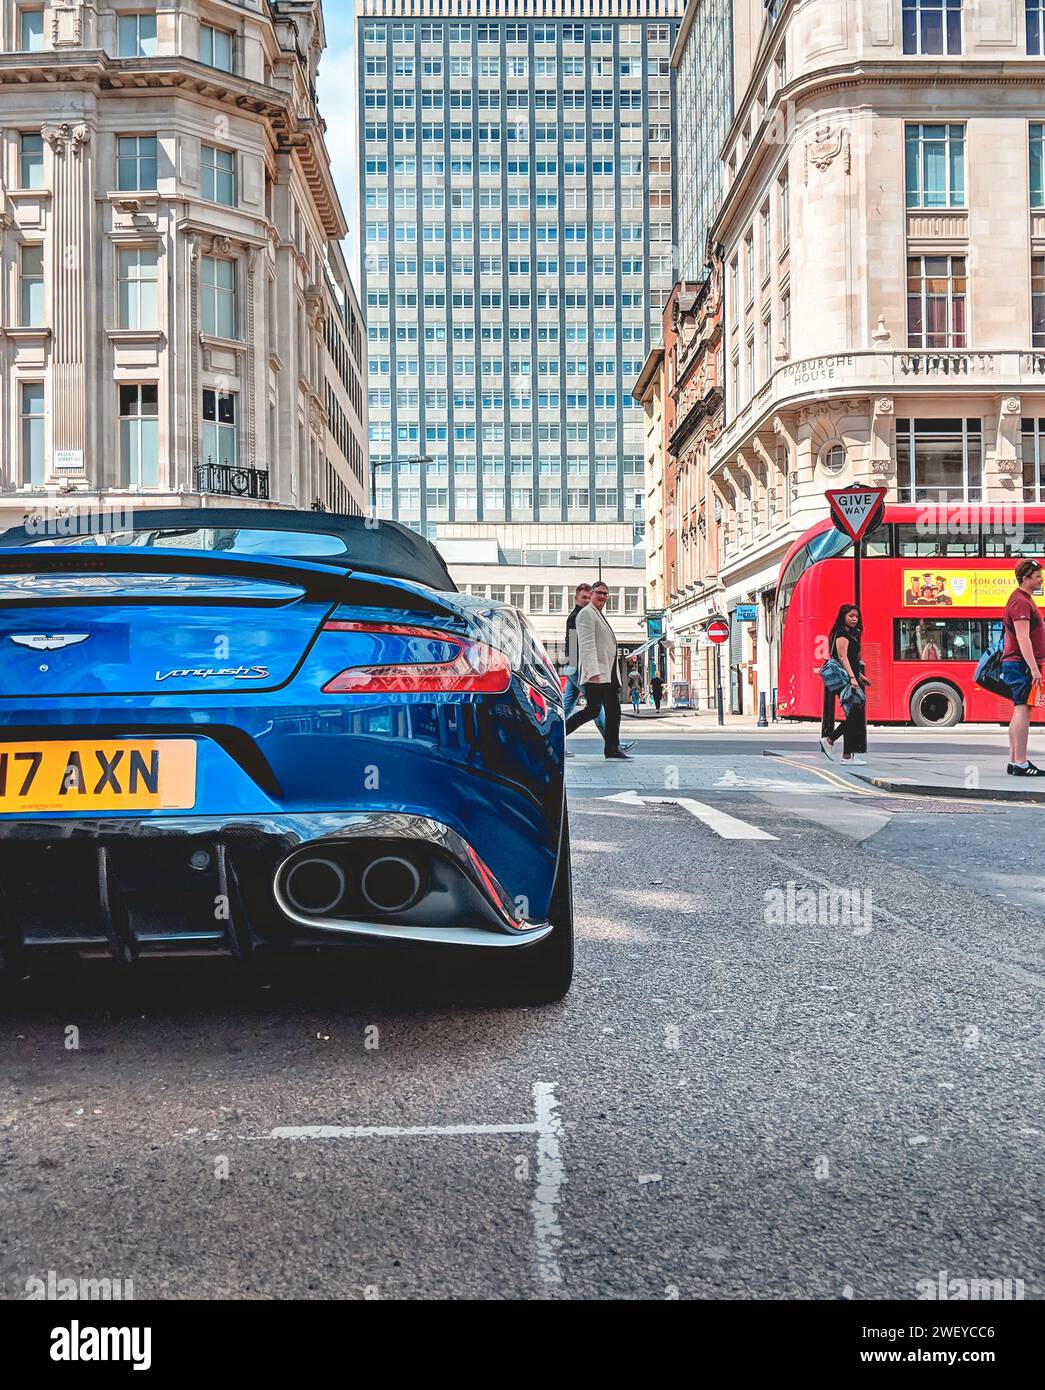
1022, 659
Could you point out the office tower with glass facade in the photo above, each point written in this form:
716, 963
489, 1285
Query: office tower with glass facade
703, 62
516, 192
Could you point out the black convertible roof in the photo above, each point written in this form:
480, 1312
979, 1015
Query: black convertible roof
377, 547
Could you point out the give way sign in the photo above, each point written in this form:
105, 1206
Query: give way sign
855, 510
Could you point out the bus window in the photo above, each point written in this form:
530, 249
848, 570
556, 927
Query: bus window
925, 543
831, 544
934, 639
828, 545
1017, 539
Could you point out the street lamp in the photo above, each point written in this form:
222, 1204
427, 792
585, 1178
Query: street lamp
410, 458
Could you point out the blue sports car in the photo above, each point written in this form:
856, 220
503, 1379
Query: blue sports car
234, 730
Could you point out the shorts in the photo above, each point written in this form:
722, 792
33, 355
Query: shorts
1016, 676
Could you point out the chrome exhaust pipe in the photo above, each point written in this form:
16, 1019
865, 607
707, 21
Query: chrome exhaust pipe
390, 884
314, 885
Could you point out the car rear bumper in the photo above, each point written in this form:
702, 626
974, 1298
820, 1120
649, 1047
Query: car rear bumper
208, 885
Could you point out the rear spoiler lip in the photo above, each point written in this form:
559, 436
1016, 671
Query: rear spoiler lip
320, 581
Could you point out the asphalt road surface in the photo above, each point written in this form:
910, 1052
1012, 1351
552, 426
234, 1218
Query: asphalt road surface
801, 1059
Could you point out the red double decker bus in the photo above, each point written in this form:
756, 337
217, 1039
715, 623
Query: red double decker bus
934, 582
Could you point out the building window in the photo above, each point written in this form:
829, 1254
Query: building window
32, 421
784, 198
216, 48
833, 458
218, 176
749, 267
218, 296
932, 26
785, 324
767, 242
936, 302
938, 460
1037, 299
220, 433
1036, 28
139, 436
767, 347
30, 31
31, 285
31, 161
935, 159
137, 288
136, 163
1033, 451
136, 36
1037, 164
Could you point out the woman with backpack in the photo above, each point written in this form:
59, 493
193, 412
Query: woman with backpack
844, 653
1022, 659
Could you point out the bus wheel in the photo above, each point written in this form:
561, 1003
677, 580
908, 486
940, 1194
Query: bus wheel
936, 705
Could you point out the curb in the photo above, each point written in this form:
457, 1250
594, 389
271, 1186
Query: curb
954, 793
894, 784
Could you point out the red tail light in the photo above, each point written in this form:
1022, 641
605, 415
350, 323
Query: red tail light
475, 667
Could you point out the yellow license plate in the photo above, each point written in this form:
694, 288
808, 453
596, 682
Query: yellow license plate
107, 775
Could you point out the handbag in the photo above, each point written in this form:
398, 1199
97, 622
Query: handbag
833, 674
988, 672
852, 695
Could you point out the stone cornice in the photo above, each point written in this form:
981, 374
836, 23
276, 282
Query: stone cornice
289, 131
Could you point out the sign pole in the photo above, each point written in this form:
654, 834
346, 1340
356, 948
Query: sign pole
718, 630
858, 548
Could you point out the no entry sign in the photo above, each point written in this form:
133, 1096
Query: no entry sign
717, 630
856, 509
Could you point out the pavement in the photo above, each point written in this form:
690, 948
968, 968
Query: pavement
898, 759
801, 1059
961, 775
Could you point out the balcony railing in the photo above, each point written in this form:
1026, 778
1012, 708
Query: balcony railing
230, 480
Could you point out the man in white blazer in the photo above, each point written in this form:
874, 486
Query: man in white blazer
598, 671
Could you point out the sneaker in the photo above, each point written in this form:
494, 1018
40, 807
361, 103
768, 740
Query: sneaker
625, 746
1014, 770
618, 754
827, 748
860, 762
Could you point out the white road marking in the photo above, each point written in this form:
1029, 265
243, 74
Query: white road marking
731, 779
393, 1131
550, 1175
724, 825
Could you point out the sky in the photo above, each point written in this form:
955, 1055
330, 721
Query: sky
337, 103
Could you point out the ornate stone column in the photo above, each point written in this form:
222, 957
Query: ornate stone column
72, 280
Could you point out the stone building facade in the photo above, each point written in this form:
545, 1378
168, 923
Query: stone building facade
883, 242
176, 319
